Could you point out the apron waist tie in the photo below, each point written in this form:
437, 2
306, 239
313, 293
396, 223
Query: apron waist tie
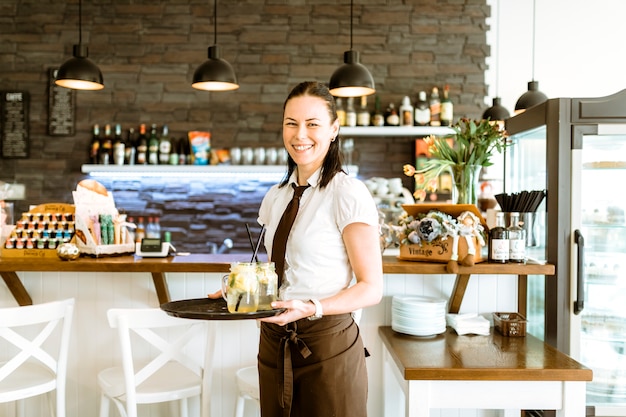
286, 383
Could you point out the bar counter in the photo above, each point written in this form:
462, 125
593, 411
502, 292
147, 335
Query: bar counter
158, 267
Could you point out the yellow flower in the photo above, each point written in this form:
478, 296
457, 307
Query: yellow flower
409, 170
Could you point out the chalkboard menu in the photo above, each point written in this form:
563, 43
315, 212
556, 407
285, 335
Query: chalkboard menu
61, 107
14, 122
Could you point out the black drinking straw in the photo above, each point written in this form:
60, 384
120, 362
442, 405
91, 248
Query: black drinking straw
251, 243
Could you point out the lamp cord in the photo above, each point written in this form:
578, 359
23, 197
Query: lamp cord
533, 61
80, 22
215, 22
497, 47
351, 6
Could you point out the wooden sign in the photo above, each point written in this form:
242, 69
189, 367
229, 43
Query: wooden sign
61, 108
14, 124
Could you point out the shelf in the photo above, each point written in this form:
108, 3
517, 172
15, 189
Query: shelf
274, 171
396, 131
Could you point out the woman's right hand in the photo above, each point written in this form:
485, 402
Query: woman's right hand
216, 294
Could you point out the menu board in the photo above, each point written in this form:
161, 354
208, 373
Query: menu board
61, 107
14, 123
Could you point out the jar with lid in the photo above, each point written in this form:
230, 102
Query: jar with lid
268, 284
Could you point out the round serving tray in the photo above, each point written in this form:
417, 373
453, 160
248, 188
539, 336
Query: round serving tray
211, 309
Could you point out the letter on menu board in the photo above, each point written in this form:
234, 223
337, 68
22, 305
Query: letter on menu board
14, 123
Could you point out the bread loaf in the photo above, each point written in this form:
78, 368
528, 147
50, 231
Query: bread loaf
95, 186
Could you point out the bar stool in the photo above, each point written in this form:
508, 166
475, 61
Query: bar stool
40, 334
166, 347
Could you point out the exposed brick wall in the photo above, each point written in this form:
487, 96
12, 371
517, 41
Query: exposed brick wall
148, 51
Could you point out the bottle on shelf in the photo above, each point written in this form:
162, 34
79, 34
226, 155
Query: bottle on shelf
94, 147
350, 112
130, 151
391, 116
153, 146
499, 241
341, 112
422, 110
363, 116
406, 112
142, 146
174, 159
165, 146
435, 107
184, 157
447, 108
377, 118
106, 147
153, 228
119, 147
517, 240
140, 232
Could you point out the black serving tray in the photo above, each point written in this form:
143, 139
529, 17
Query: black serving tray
211, 309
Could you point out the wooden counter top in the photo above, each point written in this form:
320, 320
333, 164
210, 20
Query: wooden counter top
158, 267
493, 358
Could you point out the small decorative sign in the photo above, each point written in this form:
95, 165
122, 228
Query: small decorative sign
14, 124
61, 107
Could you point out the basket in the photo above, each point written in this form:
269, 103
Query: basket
510, 324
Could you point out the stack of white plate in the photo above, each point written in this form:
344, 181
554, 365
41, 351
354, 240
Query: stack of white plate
418, 315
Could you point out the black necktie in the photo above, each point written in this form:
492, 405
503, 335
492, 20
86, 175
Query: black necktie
282, 231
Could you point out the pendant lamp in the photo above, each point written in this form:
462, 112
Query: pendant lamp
215, 74
533, 96
79, 72
351, 79
497, 113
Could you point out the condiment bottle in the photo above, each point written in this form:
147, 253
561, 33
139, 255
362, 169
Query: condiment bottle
517, 240
499, 241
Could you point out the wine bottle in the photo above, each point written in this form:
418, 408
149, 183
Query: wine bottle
435, 107
363, 116
350, 113
406, 112
153, 146
517, 240
94, 147
130, 151
142, 146
118, 146
106, 147
391, 116
174, 159
377, 118
422, 110
499, 241
165, 146
447, 109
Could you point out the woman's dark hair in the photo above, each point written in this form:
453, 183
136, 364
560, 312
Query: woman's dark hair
333, 161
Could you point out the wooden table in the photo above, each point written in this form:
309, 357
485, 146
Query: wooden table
483, 372
158, 267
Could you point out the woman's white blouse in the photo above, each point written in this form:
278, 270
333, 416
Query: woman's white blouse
316, 261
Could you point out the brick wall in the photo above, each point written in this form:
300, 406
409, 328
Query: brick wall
149, 49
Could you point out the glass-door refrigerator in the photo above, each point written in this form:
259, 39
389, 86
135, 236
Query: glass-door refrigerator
575, 150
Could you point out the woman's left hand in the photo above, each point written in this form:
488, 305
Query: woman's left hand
295, 310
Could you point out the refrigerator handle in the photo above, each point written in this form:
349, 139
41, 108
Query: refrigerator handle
579, 303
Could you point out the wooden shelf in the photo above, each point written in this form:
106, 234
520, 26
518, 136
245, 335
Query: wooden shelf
395, 131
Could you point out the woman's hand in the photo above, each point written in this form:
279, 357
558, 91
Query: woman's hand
295, 310
216, 294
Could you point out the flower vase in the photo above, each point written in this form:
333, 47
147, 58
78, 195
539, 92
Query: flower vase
466, 184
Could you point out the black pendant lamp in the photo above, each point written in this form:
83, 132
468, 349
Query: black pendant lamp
215, 74
533, 96
79, 72
497, 113
351, 79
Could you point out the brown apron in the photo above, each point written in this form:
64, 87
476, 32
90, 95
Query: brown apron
313, 369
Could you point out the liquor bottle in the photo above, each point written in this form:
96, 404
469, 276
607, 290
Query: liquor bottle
391, 116
130, 151
435, 107
94, 147
447, 109
341, 112
422, 110
174, 159
377, 118
140, 232
499, 241
142, 146
183, 151
106, 147
363, 116
165, 146
153, 146
118, 146
350, 113
406, 112
517, 240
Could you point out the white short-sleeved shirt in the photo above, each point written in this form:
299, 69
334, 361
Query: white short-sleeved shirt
316, 261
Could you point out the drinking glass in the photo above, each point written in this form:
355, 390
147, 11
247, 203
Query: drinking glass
240, 288
268, 284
